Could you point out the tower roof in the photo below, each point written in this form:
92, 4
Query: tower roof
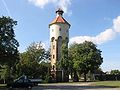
59, 18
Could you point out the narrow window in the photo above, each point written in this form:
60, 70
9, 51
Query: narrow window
53, 67
59, 29
53, 46
53, 56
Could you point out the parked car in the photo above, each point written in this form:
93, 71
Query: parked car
36, 81
21, 82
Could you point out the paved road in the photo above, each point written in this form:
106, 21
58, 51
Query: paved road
68, 86
76, 86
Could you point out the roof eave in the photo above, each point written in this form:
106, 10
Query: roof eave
58, 22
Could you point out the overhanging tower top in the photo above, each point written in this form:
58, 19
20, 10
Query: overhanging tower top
59, 18
59, 12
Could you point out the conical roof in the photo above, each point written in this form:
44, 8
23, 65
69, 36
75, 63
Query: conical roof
59, 18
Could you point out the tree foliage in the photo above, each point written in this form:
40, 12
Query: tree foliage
86, 57
9, 55
36, 52
33, 61
8, 43
63, 64
115, 72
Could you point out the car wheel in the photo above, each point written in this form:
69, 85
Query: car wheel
10, 88
29, 87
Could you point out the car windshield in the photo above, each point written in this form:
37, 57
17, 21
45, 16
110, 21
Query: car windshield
26, 80
20, 81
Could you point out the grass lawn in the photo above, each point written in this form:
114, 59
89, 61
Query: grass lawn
107, 83
2, 85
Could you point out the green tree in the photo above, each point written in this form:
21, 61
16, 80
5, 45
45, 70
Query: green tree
31, 61
63, 64
4, 72
36, 52
8, 44
44, 66
115, 72
72, 68
86, 57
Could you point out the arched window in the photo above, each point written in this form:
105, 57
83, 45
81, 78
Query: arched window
59, 29
53, 46
59, 41
53, 56
59, 38
52, 39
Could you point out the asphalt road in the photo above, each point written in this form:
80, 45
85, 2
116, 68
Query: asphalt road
72, 86
68, 86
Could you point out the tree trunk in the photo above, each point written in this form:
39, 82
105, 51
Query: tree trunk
85, 79
4, 80
75, 78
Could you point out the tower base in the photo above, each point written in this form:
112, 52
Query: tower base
59, 76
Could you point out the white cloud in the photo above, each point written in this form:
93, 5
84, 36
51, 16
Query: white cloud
80, 39
116, 23
99, 39
103, 37
64, 4
41, 3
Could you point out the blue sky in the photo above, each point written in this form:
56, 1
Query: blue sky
92, 20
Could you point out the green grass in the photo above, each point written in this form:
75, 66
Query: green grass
107, 83
2, 85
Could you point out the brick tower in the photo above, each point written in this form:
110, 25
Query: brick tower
59, 32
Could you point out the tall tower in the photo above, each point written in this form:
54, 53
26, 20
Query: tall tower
59, 32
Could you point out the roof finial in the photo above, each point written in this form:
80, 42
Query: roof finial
59, 12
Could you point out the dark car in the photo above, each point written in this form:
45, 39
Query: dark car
21, 82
